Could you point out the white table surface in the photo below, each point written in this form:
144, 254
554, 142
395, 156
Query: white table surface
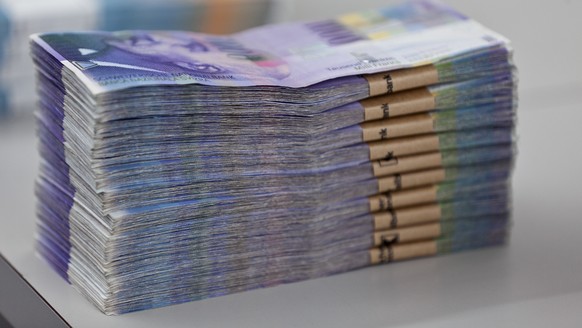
534, 281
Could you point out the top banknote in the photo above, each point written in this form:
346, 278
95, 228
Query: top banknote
285, 55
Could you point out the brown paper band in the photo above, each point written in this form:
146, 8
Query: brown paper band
407, 217
386, 220
398, 104
402, 198
411, 180
379, 84
402, 79
390, 183
399, 127
399, 252
404, 235
388, 149
404, 164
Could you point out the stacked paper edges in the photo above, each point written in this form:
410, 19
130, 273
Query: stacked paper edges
180, 166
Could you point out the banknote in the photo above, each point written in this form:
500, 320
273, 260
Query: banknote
286, 55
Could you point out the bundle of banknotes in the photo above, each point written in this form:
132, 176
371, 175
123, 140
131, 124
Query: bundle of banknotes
179, 166
20, 18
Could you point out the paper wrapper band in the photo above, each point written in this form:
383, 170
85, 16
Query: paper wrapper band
404, 235
399, 252
402, 198
401, 164
388, 149
402, 79
410, 180
407, 216
398, 104
399, 127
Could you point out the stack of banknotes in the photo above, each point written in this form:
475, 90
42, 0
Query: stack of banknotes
179, 166
20, 18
